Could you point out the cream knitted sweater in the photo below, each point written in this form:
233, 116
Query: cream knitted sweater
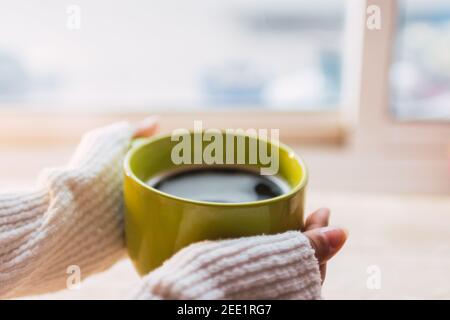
75, 217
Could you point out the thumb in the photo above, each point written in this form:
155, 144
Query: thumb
326, 241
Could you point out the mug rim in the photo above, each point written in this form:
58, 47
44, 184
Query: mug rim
292, 154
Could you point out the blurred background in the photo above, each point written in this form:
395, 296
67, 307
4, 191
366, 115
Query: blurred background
420, 73
172, 54
282, 55
368, 109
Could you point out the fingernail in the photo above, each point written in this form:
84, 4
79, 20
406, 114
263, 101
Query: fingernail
324, 212
149, 124
335, 236
150, 120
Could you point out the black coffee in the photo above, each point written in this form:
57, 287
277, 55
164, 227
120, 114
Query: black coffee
221, 184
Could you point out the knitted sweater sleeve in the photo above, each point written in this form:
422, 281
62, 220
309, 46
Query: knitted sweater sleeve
75, 218
280, 266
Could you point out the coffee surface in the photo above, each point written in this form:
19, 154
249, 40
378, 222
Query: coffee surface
224, 185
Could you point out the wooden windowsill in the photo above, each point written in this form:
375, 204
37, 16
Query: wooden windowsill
35, 127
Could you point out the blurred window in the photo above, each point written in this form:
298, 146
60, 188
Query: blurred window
134, 55
420, 74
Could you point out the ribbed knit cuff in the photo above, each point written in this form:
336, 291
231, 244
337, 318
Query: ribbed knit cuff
279, 266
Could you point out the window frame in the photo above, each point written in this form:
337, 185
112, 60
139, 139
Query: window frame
375, 115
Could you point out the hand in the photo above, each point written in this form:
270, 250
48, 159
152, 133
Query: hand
73, 217
279, 266
325, 240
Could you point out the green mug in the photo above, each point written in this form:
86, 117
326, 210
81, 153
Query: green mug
158, 224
